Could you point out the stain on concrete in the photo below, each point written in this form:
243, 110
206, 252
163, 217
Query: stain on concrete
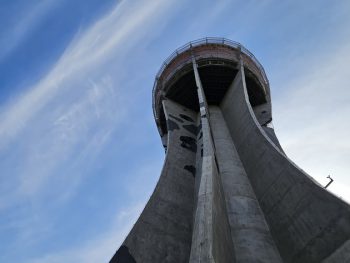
191, 128
191, 169
176, 118
188, 143
187, 118
123, 256
172, 125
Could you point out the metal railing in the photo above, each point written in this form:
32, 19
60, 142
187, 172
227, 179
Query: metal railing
203, 41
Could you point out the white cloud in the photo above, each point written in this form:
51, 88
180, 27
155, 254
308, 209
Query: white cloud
108, 39
81, 100
311, 118
139, 187
85, 124
101, 248
58, 127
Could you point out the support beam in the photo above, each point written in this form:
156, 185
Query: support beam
307, 222
211, 240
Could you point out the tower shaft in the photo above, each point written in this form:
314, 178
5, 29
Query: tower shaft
227, 191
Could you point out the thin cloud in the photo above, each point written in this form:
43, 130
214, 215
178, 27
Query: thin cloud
30, 19
59, 126
311, 118
75, 98
107, 39
101, 248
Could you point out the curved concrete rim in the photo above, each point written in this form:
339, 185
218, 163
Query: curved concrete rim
160, 80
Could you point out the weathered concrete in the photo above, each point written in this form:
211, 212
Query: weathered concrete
307, 222
250, 234
272, 135
342, 254
163, 231
227, 191
211, 240
261, 113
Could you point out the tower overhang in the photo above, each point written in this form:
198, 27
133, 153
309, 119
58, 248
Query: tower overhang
217, 59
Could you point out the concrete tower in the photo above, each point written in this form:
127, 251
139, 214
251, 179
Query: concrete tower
227, 191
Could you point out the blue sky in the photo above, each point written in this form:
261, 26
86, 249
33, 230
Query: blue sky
79, 149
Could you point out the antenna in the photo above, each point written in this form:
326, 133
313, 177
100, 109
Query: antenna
330, 181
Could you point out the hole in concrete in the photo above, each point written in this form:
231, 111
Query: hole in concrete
187, 118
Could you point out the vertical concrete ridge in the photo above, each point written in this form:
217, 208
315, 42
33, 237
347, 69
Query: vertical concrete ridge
201, 249
307, 222
211, 239
250, 234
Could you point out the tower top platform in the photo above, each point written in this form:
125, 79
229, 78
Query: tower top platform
217, 59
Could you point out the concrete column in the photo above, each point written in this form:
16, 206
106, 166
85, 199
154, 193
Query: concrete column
211, 240
307, 223
163, 232
251, 237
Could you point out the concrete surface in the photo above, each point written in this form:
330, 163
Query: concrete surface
307, 222
250, 234
211, 239
163, 231
227, 191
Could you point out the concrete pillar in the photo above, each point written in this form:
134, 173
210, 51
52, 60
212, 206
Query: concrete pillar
211, 240
163, 231
251, 237
307, 223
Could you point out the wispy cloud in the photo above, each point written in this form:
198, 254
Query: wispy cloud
59, 126
85, 123
106, 40
80, 100
311, 118
30, 19
101, 248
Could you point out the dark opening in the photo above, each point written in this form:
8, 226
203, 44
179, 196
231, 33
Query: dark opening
216, 80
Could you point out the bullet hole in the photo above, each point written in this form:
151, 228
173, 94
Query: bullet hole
191, 128
187, 118
188, 143
176, 118
191, 169
172, 125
